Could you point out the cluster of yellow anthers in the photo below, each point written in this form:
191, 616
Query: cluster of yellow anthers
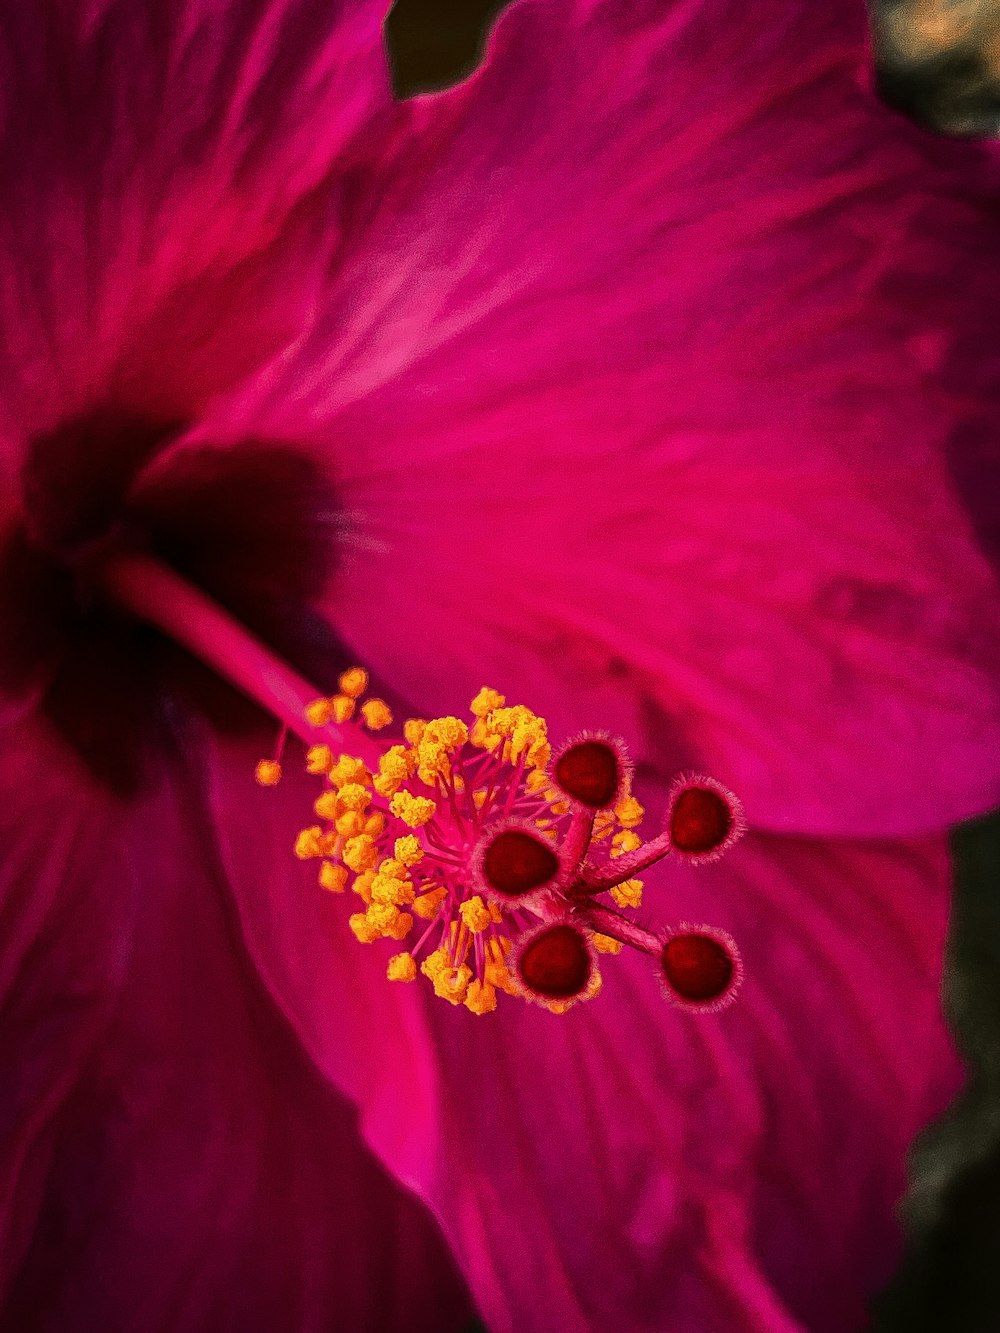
503, 852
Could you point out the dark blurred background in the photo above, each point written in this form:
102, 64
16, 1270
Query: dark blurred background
938, 62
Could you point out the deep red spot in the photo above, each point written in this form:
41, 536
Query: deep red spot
516, 862
698, 967
589, 772
249, 525
556, 963
700, 820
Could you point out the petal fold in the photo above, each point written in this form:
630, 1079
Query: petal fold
178, 1162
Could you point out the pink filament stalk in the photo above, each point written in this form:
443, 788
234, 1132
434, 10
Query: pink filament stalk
608, 922
153, 592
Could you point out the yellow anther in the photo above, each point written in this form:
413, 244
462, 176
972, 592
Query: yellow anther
479, 799
375, 824
394, 767
435, 963
452, 983
360, 853
628, 894
539, 755
327, 806
376, 713
333, 877
414, 811
381, 916
408, 850
502, 721
398, 761
629, 812
537, 780
362, 928
362, 885
529, 739
268, 773
558, 1006
427, 905
392, 867
605, 944
349, 824
342, 707
434, 762
354, 796
348, 769
448, 731
413, 730
403, 926
319, 759
496, 912
485, 702
560, 807
395, 892
627, 841
353, 682
309, 843
319, 712
475, 914
482, 736
497, 974
402, 967
387, 920
481, 997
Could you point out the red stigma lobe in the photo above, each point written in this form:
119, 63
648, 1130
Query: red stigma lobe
516, 863
700, 820
589, 772
556, 963
697, 967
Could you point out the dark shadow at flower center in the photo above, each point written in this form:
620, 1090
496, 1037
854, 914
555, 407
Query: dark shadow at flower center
251, 524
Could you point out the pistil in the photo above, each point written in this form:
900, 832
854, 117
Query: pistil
158, 595
503, 847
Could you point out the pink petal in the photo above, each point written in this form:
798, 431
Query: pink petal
157, 161
628, 1166
645, 379
332, 991
67, 895
737, 1171
176, 1160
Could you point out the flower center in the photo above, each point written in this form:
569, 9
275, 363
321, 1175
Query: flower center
462, 826
110, 482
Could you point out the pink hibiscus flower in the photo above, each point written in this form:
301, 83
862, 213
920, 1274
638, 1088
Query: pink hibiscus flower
644, 377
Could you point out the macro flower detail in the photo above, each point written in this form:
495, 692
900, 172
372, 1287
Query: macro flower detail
649, 375
506, 851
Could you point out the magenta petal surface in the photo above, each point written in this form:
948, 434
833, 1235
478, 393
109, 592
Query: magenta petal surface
628, 1166
157, 159
646, 378
368, 1037
67, 895
172, 1160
